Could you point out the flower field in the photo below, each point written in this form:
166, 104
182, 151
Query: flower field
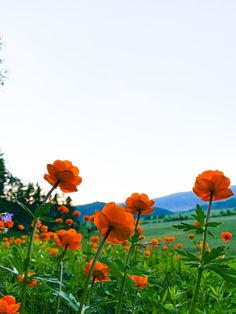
112, 262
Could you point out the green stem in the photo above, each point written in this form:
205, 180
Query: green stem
60, 285
122, 286
30, 252
200, 269
84, 295
89, 296
138, 218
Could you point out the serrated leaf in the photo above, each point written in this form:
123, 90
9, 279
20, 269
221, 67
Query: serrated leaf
188, 256
214, 254
26, 209
187, 227
199, 215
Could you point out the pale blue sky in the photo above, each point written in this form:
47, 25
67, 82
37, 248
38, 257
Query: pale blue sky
139, 94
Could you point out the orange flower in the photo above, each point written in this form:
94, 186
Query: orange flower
147, 253
32, 282
226, 236
169, 239
69, 222
212, 183
141, 281
76, 213
165, 248
140, 230
154, 241
53, 251
8, 305
94, 239
100, 271
89, 218
115, 218
65, 174
63, 209
59, 220
44, 228
69, 240
191, 236
200, 246
9, 224
139, 203
196, 223
179, 245
21, 227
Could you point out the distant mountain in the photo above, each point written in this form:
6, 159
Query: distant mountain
89, 209
183, 201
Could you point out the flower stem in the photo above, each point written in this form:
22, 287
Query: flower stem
122, 286
60, 285
138, 218
200, 269
84, 294
30, 251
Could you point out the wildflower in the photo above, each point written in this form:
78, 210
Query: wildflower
69, 222
21, 227
140, 230
191, 236
6, 217
139, 203
100, 271
76, 213
169, 239
63, 209
147, 253
179, 245
32, 282
196, 223
53, 251
114, 218
9, 224
59, 220
154, 241
89, 218
94, 239
44, 228
64, 174
141, 281
165, 248
212, 183
8, 305
69, 240
226, 236
200, 246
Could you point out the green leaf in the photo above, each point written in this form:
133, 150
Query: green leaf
187, 256
41, 211
14, 270
199, 215
69, 298
47, 219
214, 254
187, 227
26, 209
213, 224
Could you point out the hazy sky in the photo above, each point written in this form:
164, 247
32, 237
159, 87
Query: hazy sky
140, 95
